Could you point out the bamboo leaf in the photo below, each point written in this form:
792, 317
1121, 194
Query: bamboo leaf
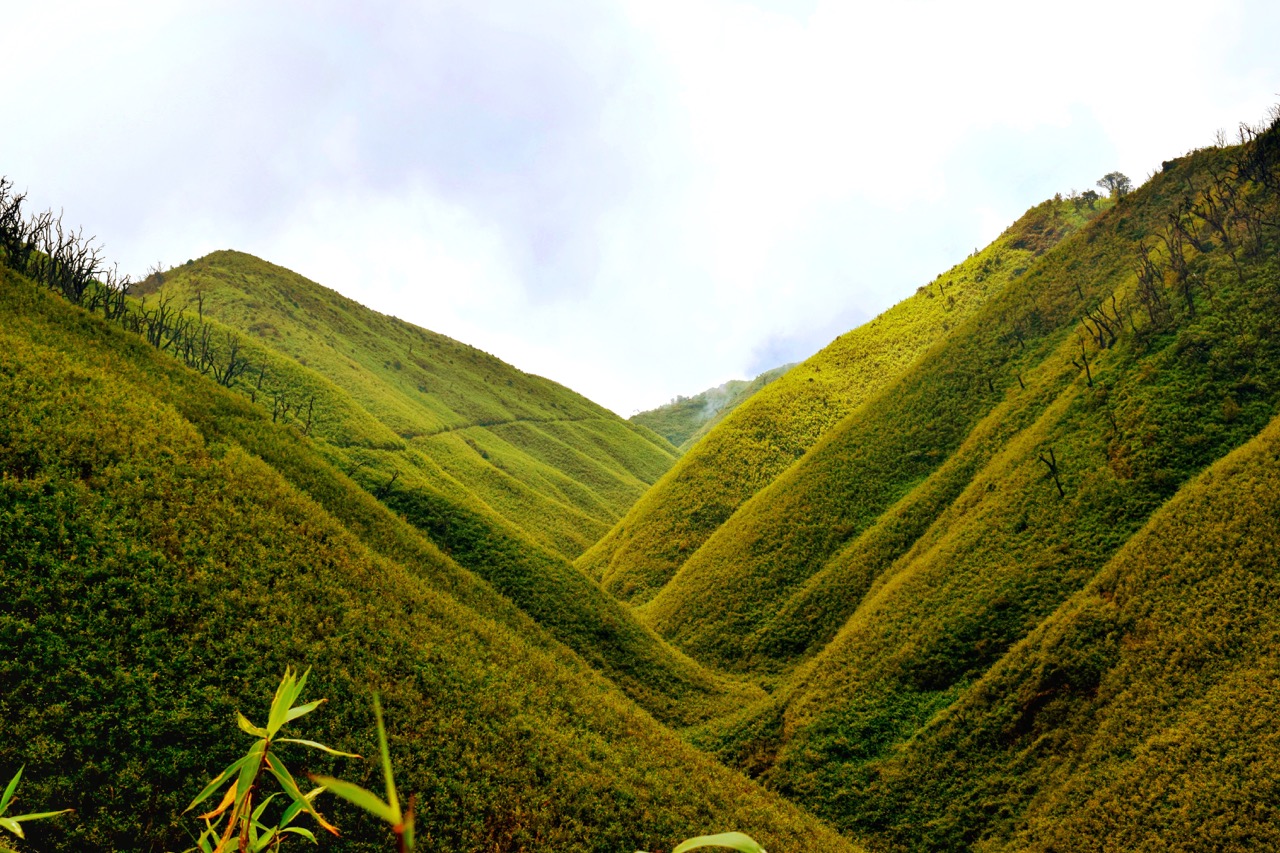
732, 840
298, 830
257, 813
251, 768
302, 710
280, 703
10, 788
249, 728
358, 796
392, 801
11, 825
291, 788
227, 799
318, 746
217, 780
39, 815
296, 806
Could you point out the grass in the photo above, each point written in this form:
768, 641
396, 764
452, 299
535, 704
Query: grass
766, 435
953, 664
161, 573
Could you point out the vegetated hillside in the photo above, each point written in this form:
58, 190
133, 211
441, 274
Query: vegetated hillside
546, 460
775, 427
502, 470
1001, 610
686, 419
168, 551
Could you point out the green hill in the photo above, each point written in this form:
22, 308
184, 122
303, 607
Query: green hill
545, 460
169, 550
775, 427
509, 474
686, 419
1003, 604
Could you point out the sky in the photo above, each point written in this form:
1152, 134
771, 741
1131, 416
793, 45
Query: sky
635, 198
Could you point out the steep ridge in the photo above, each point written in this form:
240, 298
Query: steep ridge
775, 427
160, 572
685, 420
513, 440
956, 704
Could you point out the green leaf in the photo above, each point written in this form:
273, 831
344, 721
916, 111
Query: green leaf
280, 703
298, 830
732, 840
262, 806
251, 768
249, 728
39, 815
386, 758
291, 788
358, 796
318, 746
10, 788
217, 781
302, 710
11, 825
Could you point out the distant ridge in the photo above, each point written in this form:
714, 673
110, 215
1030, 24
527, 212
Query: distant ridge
686, 419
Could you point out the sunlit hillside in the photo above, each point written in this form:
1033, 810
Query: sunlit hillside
1013, 600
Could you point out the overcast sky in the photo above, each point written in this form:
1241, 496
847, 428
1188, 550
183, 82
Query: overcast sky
636, 198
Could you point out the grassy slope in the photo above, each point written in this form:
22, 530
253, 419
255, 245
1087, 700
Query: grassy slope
1142, 715
767, 434
542, 460
685, 420
959, 562
442, 399
169, 551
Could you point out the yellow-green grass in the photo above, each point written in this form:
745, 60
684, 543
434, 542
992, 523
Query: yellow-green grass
946, 585
507, 499
775, 427
1141, 715
420, 385
168, 551
786, 533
